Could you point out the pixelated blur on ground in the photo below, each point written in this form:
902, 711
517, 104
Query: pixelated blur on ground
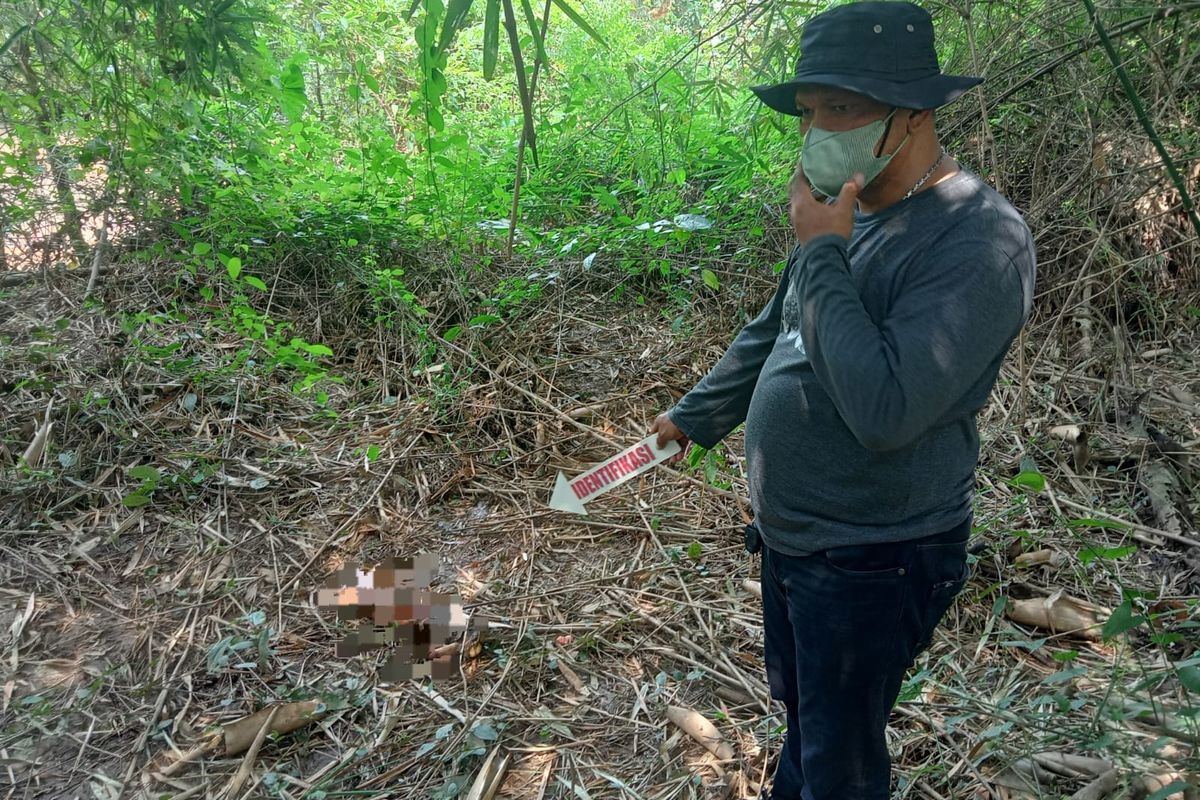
397, 611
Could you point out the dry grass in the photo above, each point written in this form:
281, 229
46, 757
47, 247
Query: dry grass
116, 662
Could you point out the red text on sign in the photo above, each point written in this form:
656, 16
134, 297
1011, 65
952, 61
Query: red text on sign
619, 467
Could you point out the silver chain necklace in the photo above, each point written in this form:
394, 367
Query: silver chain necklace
932, 169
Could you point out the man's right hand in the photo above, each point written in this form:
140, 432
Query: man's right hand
668, 431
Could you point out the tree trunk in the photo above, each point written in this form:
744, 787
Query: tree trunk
47, 115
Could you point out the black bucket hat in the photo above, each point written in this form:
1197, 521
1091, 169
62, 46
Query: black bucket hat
883, 50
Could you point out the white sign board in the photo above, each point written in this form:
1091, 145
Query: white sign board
570, 495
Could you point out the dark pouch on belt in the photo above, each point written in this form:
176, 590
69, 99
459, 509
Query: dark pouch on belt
753, 540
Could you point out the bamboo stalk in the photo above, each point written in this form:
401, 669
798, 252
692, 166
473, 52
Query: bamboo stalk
1125, 29
99, 254
528, 138
1139, 111
695, 725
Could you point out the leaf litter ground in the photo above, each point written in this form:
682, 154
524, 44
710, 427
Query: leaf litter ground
141, 631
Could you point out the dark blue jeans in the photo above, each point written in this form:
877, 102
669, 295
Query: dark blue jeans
841, 629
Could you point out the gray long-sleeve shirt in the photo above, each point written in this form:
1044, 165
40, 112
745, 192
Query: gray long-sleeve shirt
860, 381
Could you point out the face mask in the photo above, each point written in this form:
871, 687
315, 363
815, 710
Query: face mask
832, 158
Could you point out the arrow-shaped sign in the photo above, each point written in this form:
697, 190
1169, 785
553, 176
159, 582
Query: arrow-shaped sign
570, 495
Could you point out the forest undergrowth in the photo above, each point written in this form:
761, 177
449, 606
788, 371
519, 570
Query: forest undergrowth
171, 592
306, 304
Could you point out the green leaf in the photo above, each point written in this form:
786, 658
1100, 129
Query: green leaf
607, 199
695, 550
256, 283
996, 730
1108, 524
1177, 786
134, 500
581, 22
436, 120
292, 99
456, 17
534, 28
485, 732
1089, 554
1190, 678
317, 349
207, 292
491, 38
710, 279
452, 333
1122, 620
483, 319
16, 35
1030, 480
145, 473
234, 267
1025, 644
373, 452
1063, 676
201, 248
436, 85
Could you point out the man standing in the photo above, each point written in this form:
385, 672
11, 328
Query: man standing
859, 384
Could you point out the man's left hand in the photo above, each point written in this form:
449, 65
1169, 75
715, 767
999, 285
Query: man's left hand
812, 218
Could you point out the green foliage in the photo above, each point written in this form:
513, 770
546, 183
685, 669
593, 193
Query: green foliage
710, 463
1089, 554
150, 478
393, 302
1172, 789
1030, 479
1097, 523
1122, 620
319, 146
247, 649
